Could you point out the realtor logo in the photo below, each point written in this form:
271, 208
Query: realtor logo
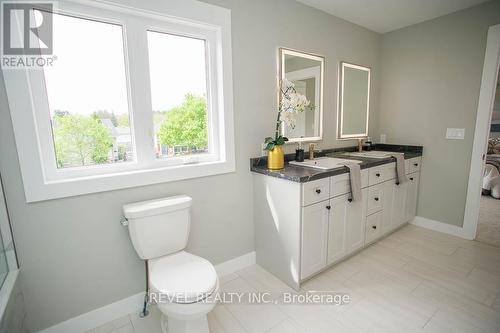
27, 38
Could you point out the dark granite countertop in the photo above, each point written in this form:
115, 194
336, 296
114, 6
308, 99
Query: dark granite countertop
302, 174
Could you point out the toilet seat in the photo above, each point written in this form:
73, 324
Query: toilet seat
182, 277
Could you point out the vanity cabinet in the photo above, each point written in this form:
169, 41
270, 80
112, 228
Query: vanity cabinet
303, 228
346, 226
314, 238
398, 211
412, 195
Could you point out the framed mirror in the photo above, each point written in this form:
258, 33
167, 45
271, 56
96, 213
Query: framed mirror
354, 101
306, 72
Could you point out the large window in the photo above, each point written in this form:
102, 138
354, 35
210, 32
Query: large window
134, 98
178, 94
87, 94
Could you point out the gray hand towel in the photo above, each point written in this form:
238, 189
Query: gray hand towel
355, 180
400, 168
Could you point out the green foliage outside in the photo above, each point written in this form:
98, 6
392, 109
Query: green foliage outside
80, 140
122, 120
186, 125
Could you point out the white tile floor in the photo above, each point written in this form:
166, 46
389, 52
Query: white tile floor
413, 280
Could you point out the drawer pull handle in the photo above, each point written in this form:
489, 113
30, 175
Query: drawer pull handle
376, 198
350, 199
318, 191
328, 207
415, 164
377, 174
411, 178
374, 226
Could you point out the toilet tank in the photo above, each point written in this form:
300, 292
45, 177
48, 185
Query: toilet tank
159, 227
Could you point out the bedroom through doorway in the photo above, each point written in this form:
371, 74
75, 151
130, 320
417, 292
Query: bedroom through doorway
488, 227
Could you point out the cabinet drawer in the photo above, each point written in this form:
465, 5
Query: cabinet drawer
315, 191
414, 164
340, 184
373, 229
375, 198
381, 174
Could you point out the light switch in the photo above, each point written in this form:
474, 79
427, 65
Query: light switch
455, 133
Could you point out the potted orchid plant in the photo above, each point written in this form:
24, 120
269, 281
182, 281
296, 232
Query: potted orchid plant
291, 103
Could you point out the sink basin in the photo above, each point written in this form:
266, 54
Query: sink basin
325, 163
372, 154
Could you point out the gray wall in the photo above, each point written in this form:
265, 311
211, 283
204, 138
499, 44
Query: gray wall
431, 79
74, 254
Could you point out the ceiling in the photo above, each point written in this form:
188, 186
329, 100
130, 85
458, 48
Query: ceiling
387, 15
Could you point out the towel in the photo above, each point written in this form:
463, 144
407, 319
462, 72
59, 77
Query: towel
400, 168
355, 180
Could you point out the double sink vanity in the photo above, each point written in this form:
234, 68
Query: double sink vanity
306, 219
306, 216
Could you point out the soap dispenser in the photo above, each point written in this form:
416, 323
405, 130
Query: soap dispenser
368, 145
299, 153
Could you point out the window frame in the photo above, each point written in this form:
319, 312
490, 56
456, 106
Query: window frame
31, 119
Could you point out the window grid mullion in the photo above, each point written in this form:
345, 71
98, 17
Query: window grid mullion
140, 92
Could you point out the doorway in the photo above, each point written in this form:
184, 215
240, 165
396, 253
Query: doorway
488, 225
482, 209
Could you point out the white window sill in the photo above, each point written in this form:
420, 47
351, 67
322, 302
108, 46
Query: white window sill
127, 179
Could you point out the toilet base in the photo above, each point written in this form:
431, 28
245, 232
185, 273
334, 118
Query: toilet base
172, 325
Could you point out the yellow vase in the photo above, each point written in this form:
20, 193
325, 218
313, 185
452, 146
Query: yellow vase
276, 158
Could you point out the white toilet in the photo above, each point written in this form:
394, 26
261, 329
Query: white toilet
159, 230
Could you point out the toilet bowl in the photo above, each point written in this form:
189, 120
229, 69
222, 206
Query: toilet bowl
182, 284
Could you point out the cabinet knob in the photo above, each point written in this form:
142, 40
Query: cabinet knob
318, 191
328, 207
415, 164
377, 174
376, 198
374, 226
411, 178
350, 199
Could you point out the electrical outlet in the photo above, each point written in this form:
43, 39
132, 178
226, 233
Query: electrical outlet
455, 133
383, 138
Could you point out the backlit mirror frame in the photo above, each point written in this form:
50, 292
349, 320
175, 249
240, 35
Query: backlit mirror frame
282, 53
340, 113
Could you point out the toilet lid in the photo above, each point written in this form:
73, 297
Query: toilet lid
182, 278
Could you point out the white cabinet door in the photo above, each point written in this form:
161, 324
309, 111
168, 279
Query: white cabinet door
314, 238
337, 228
373, 227
398, 213
356, 223
387, 221
412, 194
346, 231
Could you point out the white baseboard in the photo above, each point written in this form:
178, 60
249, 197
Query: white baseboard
235, 264
98, 317
440, 226
107, 313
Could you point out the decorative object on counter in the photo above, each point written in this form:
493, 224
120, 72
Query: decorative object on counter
299, 153
291, 103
